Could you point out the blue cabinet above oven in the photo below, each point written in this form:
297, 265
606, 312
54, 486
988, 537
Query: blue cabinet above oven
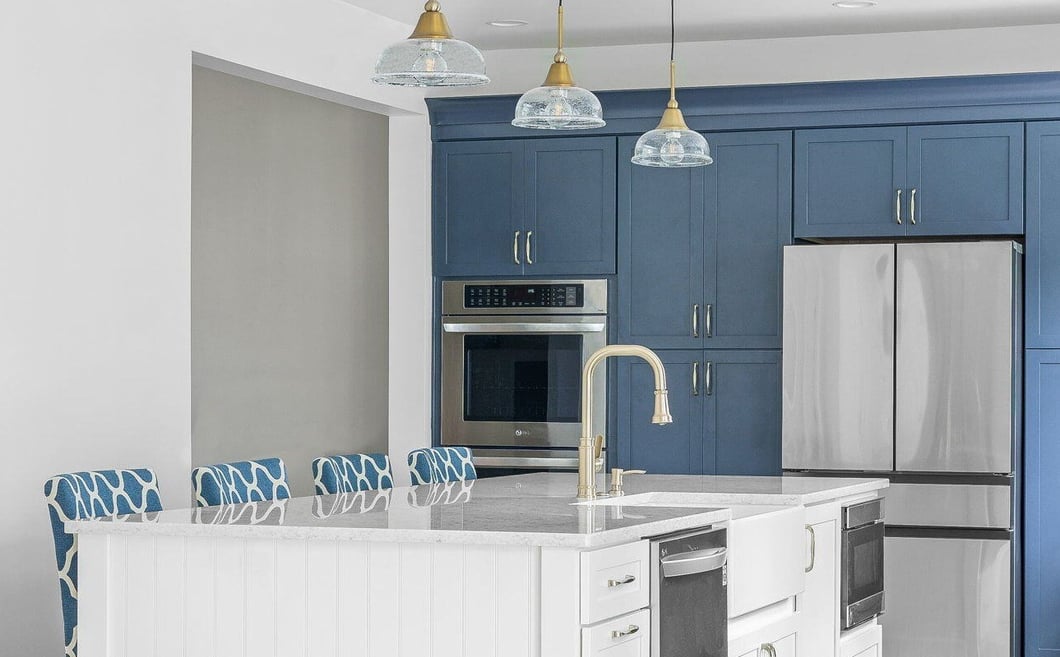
533, 207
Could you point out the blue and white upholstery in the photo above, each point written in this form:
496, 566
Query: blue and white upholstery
362, 501
81, 495
440, 464
450, 492
350, 473
240, 481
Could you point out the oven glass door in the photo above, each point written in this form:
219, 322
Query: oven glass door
862, 590
510, 381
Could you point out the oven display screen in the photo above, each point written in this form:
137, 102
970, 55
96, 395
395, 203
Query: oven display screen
525, 296
522, 378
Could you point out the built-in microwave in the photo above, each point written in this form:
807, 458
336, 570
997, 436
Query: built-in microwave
511, 363
861, 589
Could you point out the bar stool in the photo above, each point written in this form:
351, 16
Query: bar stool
81, 495
240, 481
349, 473
436, 465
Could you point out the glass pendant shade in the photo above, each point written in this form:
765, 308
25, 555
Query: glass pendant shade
558, 104
431, 57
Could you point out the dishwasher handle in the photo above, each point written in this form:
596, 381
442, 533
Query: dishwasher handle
694, 562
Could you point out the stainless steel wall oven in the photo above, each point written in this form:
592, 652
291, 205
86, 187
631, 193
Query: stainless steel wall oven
511, 359
861, 587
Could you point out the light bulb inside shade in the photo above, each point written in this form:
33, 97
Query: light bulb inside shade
559, 110
672, 151
429, 61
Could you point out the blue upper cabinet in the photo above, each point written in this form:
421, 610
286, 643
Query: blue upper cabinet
700, 249
847, 182
965, 179
1043, 235
921, 181
571, 206
726, 409
1041, 540
478, 206
516, 207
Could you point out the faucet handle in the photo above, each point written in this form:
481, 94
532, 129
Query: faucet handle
598, 450
616, 480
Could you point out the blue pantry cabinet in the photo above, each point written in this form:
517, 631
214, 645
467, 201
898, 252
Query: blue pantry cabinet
534, 207
700, 249
1043, 236
1041, 537
917, 181
726, 408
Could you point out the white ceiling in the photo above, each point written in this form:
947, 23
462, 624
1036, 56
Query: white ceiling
617, 22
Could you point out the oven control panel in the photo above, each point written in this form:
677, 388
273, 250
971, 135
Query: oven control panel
524, 296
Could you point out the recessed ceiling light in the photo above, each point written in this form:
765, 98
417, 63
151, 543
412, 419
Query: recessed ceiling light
507, 23
854, 4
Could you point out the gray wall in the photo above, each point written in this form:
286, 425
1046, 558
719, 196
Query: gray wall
288, 276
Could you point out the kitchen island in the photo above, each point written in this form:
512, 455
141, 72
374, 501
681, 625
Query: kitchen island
506, 566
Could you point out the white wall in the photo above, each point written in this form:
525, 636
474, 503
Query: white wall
95, 127
766, 61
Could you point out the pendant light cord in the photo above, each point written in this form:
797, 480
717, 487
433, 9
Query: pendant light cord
673, 62
673, 29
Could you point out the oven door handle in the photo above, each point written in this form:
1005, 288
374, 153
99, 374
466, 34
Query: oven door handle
693, 563
524, 327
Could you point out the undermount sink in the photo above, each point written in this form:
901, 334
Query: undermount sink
672, 500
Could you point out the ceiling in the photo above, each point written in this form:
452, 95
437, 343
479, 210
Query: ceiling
617, 22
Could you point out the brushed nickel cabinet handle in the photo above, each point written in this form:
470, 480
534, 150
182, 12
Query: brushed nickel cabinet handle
628, 579
912, 206
898, 207
709, 321
695, 378
769, 650
709, 366
695, 320
813, 548
515, 247
618, 634
529, 234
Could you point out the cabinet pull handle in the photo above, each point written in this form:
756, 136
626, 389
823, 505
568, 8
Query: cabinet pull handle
813, 548
912, 206
695, 320
515, 247
898, 207
768, 649
529, 234
709, 366
695, 378
709, 321
628, 579
618, 634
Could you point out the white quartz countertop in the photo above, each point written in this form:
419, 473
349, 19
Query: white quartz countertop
532, 509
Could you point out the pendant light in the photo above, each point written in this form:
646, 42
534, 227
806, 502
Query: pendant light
671, 143
431, 57
558, 104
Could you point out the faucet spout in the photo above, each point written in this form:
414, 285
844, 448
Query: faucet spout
586, 447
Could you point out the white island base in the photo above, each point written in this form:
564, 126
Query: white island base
498, 567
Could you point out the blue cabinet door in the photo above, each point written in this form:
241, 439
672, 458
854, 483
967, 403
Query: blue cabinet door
570, 206
1041, 540
676, 448
478, 205
847, 182
748, 222
661, 255
743, 411
1043, 235
965, 179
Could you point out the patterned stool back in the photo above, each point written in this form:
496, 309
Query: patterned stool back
81, 495
350, 473
440, 464
239, 482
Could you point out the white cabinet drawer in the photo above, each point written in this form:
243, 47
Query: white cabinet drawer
865, 641
626, 636
614, 581
783, 647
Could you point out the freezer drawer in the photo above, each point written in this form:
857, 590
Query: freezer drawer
949, 505
838, 357
954, 356
947, 597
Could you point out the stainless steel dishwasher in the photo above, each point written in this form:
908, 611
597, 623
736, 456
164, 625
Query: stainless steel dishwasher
689, 601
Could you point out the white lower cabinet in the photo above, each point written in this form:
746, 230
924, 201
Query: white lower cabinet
819, 603
784, 647
777, 639
625, 636
865, 641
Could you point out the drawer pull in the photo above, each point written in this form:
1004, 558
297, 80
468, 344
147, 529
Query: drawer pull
628, 579
618, 634
768, 649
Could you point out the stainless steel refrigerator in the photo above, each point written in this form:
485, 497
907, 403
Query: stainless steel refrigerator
903, 361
